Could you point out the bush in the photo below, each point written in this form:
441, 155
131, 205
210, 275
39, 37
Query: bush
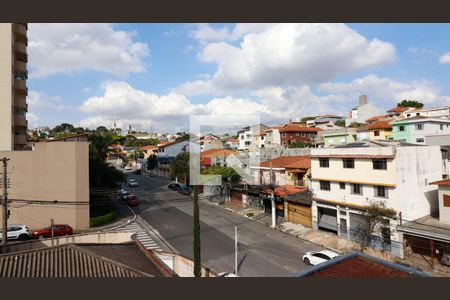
104, 219
250, 214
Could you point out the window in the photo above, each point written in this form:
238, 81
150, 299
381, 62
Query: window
242, 137
348, 163
401, 128
420, 140
324, 162
380, 191
417, 114
408, 115
419, 126
283, 135
379, 164
441, 126
322, 256
247, 143
446, 200
356, 189
297, 134
325, 186
376, 133
342, 185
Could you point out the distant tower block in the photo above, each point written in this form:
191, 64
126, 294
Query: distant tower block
362, 100
129, 127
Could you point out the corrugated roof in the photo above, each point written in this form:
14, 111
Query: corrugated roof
376, 118
63, 261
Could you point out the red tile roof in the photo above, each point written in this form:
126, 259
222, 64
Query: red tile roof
217, 152
282, 191
148, 147
359, 267
298, 128
376, 118
289, 162
233, 140
400, 109
445, 182
384, 124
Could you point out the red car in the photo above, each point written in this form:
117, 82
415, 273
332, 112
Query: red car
58, 230
132, 200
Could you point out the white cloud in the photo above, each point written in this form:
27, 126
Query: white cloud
280, 54
68, 48
38, 100
32, 120
445, 59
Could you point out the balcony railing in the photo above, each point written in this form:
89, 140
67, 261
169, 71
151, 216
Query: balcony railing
20, 29
20, 120
20, 139
21, 102
21, 87
20, 51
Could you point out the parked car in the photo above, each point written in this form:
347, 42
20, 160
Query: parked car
127, 168
16, 232
124, 194
132, 200
58, 230
184, 189
132, 183
318, 257
174, 186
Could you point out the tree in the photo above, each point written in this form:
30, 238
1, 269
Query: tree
228, 174
355, 125
304, 119
99, 143
299, 145
67, 127
410, 103
196, 233
101, 129
58, 128
184, 137
152, 162
340, 123
179, 168
375, 216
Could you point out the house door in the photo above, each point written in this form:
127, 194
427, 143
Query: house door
328, 219
299, 214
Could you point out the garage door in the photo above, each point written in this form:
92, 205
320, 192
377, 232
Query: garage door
328, 219
299, 214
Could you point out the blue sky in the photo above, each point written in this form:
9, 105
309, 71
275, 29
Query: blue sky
154, 76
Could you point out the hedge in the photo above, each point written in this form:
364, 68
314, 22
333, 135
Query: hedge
104, 219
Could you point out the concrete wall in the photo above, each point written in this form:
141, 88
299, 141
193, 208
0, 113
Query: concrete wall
385, 134
54, 171
6, 136
444, 212
438, 139
364, 112
411, 134
175, 149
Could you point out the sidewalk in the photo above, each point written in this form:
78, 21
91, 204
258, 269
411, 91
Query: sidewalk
124, 216
326, 239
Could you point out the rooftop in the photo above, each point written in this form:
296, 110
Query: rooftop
289, 162
382, 124
376, 118
428, 226
445, 182
359, 265
217, 152
418, 119
401, 109
298, 128
286, 190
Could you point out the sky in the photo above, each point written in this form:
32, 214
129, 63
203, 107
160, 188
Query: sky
154, 76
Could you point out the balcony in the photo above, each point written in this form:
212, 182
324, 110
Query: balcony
20, 30
21, 68
20, 87
20, 120
20, 139
20, 101
20, 51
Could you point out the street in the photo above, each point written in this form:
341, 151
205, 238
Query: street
263, 251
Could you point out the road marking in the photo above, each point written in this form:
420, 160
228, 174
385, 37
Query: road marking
141, 236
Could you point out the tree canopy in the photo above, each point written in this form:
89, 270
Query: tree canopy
304, 119
340, 123
179, 168
299, 145
410, 103
229, 175
152, 162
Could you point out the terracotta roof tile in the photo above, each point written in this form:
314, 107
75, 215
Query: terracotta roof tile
217, 152
376, 118
383, 124
282, 191
445, 182
298, 128
293, 162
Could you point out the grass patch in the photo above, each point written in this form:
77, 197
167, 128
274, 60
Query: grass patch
104, 219
250, 214
221, 202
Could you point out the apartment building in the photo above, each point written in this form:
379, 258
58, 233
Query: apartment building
362, 112
246, 135
292, 133
413, 130
346, 179
13, 86
380, 130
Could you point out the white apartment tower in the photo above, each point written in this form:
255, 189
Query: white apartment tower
13, 87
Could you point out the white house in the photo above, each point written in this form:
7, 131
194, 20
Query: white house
361, 113
346, 179
246, 135
413, 130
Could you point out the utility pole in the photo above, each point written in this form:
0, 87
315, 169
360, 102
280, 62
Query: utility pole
52, 222
5, 204
272, 198
236, 250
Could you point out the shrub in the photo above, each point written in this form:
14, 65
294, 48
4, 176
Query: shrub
250, 214
104, 219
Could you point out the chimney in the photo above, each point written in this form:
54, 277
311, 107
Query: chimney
290, 121
362, 100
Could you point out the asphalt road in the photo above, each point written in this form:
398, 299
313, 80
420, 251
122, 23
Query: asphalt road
263, 251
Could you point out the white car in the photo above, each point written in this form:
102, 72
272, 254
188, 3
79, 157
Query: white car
318, 257
127, 167
132, 183
16, 232
226, 274
124, 194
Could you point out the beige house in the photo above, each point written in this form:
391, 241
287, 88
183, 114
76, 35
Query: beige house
51, 182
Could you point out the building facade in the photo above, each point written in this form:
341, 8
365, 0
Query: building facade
363, 112
13, 86
413, 130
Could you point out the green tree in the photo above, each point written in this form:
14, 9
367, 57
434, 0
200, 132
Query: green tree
228, 174
67, 127
152, 162
376, 215
299, 145
179, 168
304, 119
196, 233
58, 128
340, 123
410, 103
99, 143
101, 129
184, 137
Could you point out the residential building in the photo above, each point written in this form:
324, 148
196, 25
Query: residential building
377, 118
338, 137
13, 86
362, 133
345, 180
209, 142
83, 137
380, 130
292, 133
167, 153
324, 119
284, 170
273, 136
149, 150
359, 265
231, 144
435, 112
215, 157
402, 112
361, 113
51, 182
246, 134
413, 130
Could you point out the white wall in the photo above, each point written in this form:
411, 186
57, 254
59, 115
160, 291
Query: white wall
444, 212
428, 129
175, 149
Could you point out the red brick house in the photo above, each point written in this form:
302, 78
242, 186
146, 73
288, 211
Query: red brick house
291, 133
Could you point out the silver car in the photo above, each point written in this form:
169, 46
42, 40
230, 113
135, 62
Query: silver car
17, 232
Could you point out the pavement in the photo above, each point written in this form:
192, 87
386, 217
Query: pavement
263, 252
